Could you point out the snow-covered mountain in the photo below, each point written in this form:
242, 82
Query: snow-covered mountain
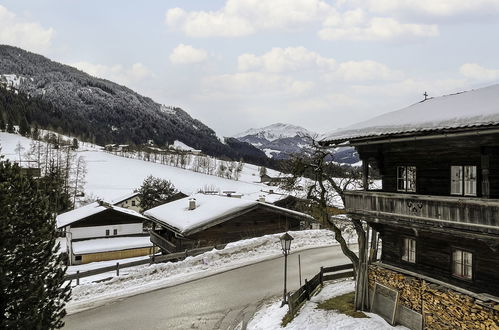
38, 91
276, 131
280, 141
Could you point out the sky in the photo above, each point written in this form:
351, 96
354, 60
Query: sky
240, 64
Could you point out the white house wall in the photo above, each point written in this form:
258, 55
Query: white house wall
100, 231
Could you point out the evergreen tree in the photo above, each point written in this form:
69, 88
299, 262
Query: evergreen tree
2, 123
157, 191
33, 293
24, 128
10, 126
54, 186
75, 145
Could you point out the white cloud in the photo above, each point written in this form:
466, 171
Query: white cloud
366, 71
285, 60
255, 83
356, 26
28, 35
293, 59
116, 73
245, 17
186, 54
477, 72
434, 7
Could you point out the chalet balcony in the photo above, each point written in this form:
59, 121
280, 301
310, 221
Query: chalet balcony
476, 214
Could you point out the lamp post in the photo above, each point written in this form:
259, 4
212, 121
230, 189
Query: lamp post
286, 246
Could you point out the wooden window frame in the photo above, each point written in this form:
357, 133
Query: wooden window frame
463, 181
407, 252
115, 232
405, 179
460, 276
107, 232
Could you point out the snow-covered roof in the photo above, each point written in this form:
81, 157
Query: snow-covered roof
210, 210
479, 107
124, 198
83, 212
110, 244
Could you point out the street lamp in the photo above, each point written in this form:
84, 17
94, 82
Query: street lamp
286, 246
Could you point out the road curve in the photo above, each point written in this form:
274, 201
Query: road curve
220, 301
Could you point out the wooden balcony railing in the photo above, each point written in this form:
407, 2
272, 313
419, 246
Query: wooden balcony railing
472, 213
162, 242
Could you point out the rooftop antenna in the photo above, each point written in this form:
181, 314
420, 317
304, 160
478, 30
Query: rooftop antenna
425, 96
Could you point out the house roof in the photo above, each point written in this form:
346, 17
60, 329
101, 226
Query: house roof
477, 108
124, 198
210, 210
86, 211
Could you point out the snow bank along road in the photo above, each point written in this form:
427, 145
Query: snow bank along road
220, 301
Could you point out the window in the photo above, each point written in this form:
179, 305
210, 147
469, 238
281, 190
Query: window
409, 252
115, 232
107, 232
406, 178
133, 203
463, 180
462, 264
77, 258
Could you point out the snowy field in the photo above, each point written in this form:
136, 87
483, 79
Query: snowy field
110, 176
135, 280
269, 317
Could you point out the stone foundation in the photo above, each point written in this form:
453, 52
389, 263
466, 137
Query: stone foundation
441, 307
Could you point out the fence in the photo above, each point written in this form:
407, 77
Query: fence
153, 259
304, 293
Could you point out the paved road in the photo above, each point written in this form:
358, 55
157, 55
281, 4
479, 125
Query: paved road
220, 301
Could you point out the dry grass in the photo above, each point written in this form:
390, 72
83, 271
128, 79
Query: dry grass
342, 304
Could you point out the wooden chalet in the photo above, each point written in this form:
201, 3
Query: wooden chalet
101, 231
436, 218
205, 220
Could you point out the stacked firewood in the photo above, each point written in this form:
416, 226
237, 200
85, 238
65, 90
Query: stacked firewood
409, 287
442, 308
447, 309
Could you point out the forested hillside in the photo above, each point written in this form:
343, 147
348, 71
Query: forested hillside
37, 91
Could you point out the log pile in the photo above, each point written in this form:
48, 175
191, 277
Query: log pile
409, 287
447, 309
441, 307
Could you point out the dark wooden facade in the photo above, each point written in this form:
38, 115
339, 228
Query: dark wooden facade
438, 221
106, 218
255, 223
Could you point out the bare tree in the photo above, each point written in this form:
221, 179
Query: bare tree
323, 185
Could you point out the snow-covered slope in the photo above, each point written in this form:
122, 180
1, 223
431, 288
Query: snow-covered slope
110, 176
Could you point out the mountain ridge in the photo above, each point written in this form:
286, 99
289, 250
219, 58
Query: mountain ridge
102, 111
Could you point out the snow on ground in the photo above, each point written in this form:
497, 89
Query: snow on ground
139, 279
182, 146
309, 318
110, 244
110, 176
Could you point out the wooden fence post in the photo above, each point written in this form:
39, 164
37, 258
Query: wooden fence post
77, 277
321, 276
291, 304
186, 253
307, 289
117, 269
